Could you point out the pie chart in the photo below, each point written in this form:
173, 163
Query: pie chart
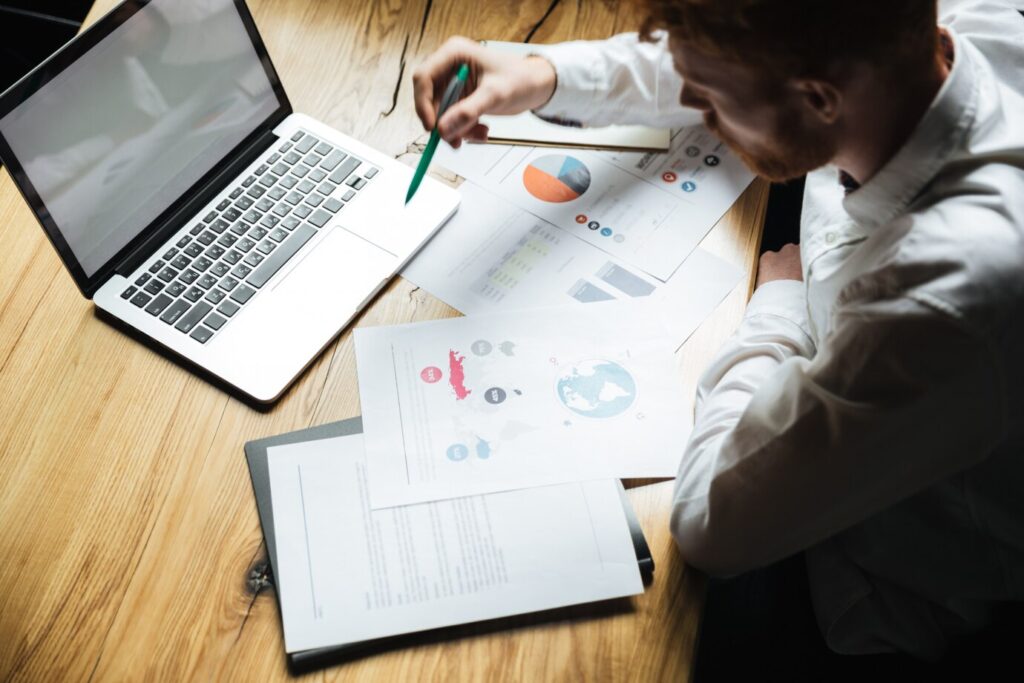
556, 178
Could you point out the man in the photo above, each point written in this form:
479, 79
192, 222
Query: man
869, 411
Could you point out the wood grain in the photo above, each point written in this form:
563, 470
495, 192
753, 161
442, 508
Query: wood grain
127, 522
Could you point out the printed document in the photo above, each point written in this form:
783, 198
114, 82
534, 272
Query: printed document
513, 400
347, 573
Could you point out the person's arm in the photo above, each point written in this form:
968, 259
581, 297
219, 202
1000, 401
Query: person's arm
622, 80
793, 445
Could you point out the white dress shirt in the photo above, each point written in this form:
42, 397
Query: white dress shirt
872, 414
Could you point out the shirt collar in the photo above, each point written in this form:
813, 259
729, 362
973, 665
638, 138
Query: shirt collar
941, 131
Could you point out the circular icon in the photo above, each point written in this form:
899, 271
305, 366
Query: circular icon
430, 374
711, 160
620, 238
581, 219
692, 151
495, 395
556, 178
596, 388
593, 225
669, 177
689, 186
481, 347
457, 452
607, 232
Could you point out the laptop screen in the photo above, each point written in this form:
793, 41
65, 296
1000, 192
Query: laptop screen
118, 136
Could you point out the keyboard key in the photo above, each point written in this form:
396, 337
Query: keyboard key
236, 193
201, 334
349, 194
232, 257
174, 311
169, 254
288, 182
154, 287
202, 263
290, 223
196, 229
206, 238
214, 321
292, 158
256, 192
254, 259
168, 274
227, 240
289, 248
189, 276
305, 187
282, 209
215, 296
142, 279
345, 170
243, 294
195, 314
276, 193
157, 306
332, 160
278, 234
209, 217
307, 143
181, 262
268, 180
316, 175
273, 159
285, 147
240, 271
297, 136
194, 293
141, 299
293, 198
156, 266
232, 214
266, 246
244, 203
323, 148
215, 252
175, 288
312, 159
183, 241
240, 227
252, 217
279, 169
127, 294
228, 308
264, 205
356, 182
228, 283
300, 170
207, 281
370, 173
220, 269
326, 188
194, 249
302, 211
219, 226
319, 218
314, 199
245, 245
224, 204
269, 221
333, 205
261, 169
257, 233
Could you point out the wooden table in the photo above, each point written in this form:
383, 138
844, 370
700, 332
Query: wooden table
130, 544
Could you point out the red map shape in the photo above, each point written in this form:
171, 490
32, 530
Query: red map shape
457, 375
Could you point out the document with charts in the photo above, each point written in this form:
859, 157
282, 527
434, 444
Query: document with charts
648, 209
504, 401
347, 573
493, 256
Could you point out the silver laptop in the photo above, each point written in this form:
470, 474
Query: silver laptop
162, 158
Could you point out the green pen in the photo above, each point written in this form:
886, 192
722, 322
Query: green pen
451, 96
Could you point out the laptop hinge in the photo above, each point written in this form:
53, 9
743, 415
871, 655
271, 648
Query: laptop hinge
199, 197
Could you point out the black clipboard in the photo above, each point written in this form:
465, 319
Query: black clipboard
307, 660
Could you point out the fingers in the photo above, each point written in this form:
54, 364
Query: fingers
431, 77
464, 115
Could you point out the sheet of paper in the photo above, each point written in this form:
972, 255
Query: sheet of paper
347, 573
648, 210
493, 256
512, 400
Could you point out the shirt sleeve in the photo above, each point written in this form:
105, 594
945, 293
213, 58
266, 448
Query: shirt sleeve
792, 445
621, 80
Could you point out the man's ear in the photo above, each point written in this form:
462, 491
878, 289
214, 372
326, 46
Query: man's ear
821, 98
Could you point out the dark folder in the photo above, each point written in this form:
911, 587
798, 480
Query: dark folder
259, 471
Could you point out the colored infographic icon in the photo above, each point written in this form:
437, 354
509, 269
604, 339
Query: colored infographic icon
457, 452
581, 219
481, 347
692, 151
669, 177
689, 186
430, 374
607, 232
593, 225
556, 178
711, 160
495, 395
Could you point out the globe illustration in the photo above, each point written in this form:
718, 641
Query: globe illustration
597, 388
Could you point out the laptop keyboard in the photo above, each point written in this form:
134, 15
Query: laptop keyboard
202, 281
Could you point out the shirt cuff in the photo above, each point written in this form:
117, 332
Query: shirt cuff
578, 79
786, 299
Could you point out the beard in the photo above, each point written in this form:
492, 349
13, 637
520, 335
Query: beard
793, 152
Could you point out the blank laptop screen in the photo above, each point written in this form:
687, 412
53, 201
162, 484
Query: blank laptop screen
118, 136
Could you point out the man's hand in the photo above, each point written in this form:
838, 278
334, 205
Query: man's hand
499, 83
783, 264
